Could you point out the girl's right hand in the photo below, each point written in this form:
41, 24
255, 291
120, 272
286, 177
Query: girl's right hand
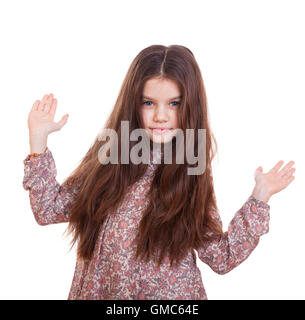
41, 116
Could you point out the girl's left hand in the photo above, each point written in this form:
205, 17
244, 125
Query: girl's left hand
273, 181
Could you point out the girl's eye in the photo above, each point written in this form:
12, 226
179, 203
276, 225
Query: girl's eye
146, 102
177, 103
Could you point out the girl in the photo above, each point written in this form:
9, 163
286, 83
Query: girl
137, 225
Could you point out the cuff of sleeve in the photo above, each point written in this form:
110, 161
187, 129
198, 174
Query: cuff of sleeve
36, 160
38, 169
257, 214
261, 205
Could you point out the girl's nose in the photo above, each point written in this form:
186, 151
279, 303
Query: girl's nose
161, 114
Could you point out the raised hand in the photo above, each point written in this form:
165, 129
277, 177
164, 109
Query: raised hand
41, 116
272, 181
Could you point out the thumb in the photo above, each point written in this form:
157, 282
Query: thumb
62, 121
258, 171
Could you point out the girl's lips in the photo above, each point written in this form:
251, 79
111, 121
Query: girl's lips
160, 131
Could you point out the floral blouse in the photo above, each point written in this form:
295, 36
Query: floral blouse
112, 273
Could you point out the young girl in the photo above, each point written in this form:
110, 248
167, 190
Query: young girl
137, 225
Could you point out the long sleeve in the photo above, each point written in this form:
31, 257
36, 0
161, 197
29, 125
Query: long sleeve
226, 252
50, 202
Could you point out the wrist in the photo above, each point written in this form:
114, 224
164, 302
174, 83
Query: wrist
260, 193
38, 143
38, 134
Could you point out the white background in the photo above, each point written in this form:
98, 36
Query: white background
251, 54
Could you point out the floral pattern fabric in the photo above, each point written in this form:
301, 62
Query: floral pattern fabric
112, 273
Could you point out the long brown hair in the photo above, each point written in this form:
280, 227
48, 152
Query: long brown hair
179, 204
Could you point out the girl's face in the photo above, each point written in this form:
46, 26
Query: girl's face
161, 100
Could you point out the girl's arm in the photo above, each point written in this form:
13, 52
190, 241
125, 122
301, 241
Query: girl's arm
226, 252
250, 222
50, 201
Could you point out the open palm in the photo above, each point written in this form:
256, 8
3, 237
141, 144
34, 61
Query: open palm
41, 116
274, 180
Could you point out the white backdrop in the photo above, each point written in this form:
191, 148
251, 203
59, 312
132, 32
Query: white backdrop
251, 54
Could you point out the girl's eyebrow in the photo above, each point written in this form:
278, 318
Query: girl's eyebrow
145, 97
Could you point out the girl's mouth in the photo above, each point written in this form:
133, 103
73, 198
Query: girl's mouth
161, 130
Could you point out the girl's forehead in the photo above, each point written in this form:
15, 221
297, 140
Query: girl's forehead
158, 93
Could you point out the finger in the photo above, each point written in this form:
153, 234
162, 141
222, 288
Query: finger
48, 103
288, 173
41, 104
277, 167
291, 179
53, 108
35, 105
286, 168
